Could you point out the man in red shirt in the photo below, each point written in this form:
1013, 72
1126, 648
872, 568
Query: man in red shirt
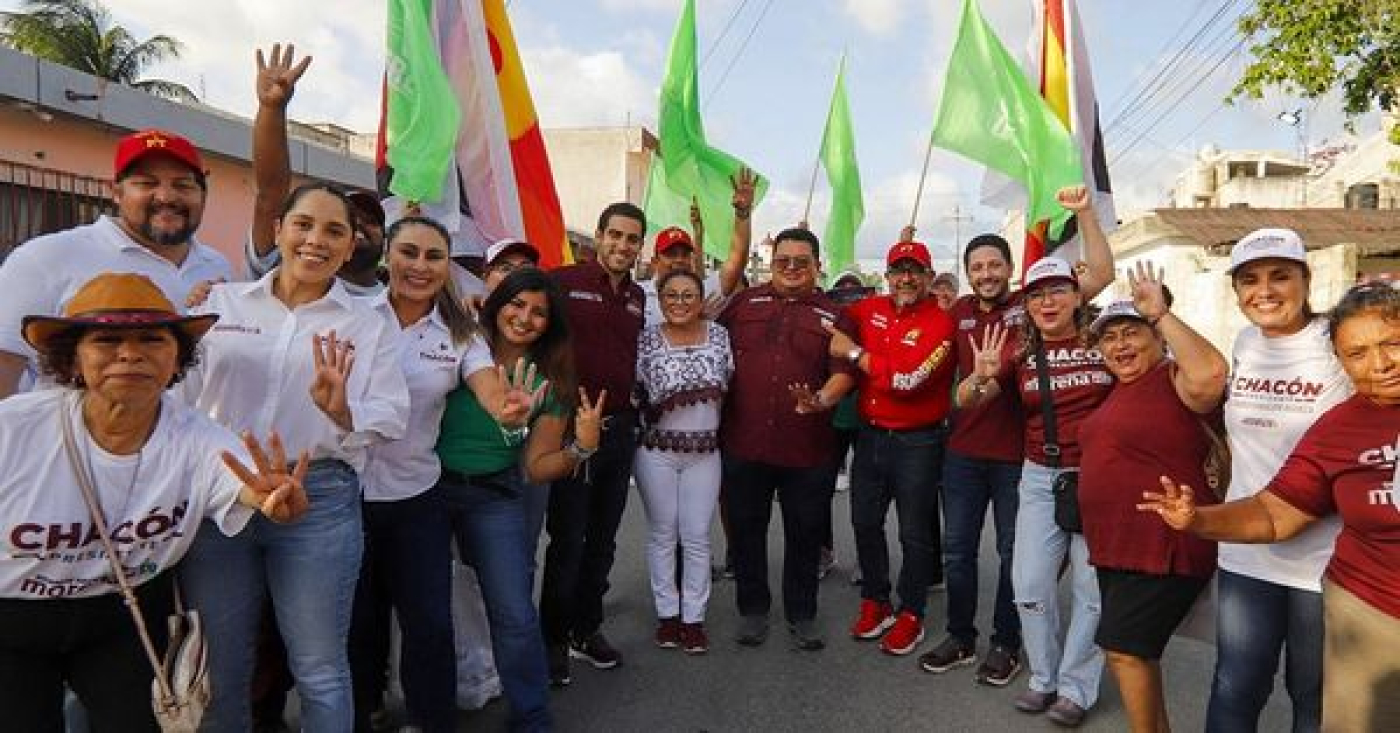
903, 348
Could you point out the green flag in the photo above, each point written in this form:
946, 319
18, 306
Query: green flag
839, 158
692, 167
422, 116
991, 114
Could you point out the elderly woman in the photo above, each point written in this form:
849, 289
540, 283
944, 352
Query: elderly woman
157, 468
1148, 575
1345, 464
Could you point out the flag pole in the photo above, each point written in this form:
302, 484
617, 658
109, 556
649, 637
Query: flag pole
923, 174
811, 189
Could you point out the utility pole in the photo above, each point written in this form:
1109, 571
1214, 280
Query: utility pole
958, 218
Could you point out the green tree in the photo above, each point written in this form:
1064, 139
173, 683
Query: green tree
81, 34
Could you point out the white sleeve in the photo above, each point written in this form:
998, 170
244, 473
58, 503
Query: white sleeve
30, 290
476, 358
257, 265
220, 484
379, 407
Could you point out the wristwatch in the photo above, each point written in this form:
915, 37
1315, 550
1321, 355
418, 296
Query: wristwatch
979, 387
578, 452
855, 354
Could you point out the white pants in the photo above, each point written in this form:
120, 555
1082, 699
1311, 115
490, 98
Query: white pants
679, 491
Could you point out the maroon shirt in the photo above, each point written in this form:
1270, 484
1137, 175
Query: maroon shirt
779, 341
1140, 432
1345, 464
604, 325
1079, 381
995, 430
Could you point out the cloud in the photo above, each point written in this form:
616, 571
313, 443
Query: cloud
576, 89
877, 17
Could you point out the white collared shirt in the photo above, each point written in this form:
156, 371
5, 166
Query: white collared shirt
256, 369
433, 366
42, 275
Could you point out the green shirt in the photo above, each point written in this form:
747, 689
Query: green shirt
471, 441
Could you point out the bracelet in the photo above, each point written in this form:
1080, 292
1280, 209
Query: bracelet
742, 212
578, 452
514, 436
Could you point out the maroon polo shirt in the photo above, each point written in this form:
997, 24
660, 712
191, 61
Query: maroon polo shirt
604, 325
778, 341
994, 430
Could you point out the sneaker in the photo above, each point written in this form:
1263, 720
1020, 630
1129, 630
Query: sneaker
597, 651
668, 632
1031, 701
999, 666
693, 639
559, 675
826, 563
805, 635
952, 652
753, 630
875, 617
1066, 713
907, 632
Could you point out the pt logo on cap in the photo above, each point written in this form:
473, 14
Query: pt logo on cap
154, 140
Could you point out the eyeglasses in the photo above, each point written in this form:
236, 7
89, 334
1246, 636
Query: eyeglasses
672, 296
1040, 294
786, 262
909, 269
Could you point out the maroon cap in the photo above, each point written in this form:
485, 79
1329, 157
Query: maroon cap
139, 145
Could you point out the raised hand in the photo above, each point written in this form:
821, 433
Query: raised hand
278, 76
1175, 504
808, 401
518, 401
986, 356
1074, 198
743, 183
1149, 298
200, 292
332, 360
907, 233
840, 345
588, 420
270, 487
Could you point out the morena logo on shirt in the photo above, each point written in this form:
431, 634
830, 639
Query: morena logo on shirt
237, 328
1379, 456
1069, 357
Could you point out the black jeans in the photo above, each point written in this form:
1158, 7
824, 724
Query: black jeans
584, 513
900, 466
92, 645
805, 496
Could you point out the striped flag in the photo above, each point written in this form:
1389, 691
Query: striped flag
498, 182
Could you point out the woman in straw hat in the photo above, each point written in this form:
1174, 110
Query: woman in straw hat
156, 467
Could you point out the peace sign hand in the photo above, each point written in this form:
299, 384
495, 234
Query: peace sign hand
277, 76
1149, 295
986, 356
588, 420
517, 399
272, 490
332, 360
1175, 504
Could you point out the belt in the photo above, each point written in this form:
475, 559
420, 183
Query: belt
682, 441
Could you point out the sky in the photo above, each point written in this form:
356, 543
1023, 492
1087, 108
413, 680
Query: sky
765, 83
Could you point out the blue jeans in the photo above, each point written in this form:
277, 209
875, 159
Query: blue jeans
310, 567
1255, 620
488, 513
969, 486
899, 466
1073, 665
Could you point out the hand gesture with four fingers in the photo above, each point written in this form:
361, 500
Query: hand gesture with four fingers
1175, 504
588, 420
986, 356
518, 401
1149, 297
332, 360
808, 401
272, 488
743, 183
277, 75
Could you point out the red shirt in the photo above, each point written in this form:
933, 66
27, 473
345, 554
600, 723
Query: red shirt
1124, 453
604, 325
994, 430
776, 342
1345, 464
911, 366
1079, 381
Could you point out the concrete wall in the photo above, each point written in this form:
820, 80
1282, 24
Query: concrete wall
594, 167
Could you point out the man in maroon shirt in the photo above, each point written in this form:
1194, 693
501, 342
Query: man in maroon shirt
903, 348
605, 312
776, 435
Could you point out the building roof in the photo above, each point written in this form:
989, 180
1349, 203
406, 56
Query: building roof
1373, 231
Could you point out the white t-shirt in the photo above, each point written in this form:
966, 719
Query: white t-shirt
153, 504
714, 299
1278, 388
433, 366
256, 369
41, 275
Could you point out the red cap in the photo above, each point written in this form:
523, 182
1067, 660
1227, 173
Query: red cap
672, 237
909, 251
138, 145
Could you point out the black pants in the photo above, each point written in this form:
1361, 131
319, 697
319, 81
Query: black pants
585, 511
91, 644
805, 496
900, 467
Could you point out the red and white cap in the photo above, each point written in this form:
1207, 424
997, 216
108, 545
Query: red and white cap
671, 237
1261, 244
1050, 268
506, 246
909, 251
143, 144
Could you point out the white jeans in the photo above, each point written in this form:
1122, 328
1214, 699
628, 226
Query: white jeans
679, 491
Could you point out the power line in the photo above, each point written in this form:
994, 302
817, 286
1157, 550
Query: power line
727, 25
740, 53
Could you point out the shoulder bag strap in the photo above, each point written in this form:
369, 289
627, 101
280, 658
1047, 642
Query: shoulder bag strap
1047, 405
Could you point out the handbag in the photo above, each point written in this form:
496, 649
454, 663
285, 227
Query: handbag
180, 690
1065, 489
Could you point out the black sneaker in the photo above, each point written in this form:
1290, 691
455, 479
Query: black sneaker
753, 630
597, 651
952, 652
558, 655
999, 667
805, 635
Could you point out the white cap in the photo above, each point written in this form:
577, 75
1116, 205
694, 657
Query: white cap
1049, 268
1116, 309
1282, 244
507, 245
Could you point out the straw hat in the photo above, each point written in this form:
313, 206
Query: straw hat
116, 300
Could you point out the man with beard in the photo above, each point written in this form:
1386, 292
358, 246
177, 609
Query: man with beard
159, 190
902, 346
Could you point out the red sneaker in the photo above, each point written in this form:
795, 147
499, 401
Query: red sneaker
668, 632
875, 617
906, 634
693, 639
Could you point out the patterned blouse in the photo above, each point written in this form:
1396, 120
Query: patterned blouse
680, 388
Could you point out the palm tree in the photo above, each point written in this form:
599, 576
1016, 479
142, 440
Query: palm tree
81, 34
